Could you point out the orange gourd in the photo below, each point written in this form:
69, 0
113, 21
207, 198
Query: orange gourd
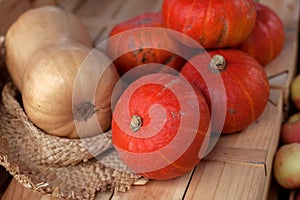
214, 23
161, 126
136, 45
244, 80
267, 39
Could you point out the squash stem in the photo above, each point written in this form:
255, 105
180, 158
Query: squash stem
136, 123
217, 62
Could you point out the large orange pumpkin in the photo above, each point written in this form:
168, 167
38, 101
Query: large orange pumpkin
142, 46
213, 23
267, 39
244, 80
161, 126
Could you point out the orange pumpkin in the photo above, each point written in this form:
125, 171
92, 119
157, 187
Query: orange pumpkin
267, 40
161, 126
214, 23
142, 46
244, 80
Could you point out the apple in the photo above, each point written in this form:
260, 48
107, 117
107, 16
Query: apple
295, 91
287, 166
290, 131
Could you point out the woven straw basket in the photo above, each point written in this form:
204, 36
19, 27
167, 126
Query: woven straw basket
59, 167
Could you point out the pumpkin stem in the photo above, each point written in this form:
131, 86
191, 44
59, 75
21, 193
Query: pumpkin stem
217, 62
83, 111
136, 123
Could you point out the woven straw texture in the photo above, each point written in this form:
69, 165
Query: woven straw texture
60, 167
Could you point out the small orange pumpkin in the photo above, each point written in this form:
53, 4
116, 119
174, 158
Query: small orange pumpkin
213, 23
245, 82
267, 40
142, 45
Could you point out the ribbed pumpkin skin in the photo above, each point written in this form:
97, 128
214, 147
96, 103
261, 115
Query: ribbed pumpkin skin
212, 23
245, 82
267, 39
167, 116
138, 40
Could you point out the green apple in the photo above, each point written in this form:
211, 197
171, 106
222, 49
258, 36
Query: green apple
287, 166
295, 91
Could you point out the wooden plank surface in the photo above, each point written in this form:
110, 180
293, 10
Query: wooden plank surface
155, 190
226, 181
100, 17
283, 68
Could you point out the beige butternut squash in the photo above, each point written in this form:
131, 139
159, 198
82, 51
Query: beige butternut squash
36, 29
67, 90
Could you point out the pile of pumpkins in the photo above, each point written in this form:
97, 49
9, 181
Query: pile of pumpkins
161, 94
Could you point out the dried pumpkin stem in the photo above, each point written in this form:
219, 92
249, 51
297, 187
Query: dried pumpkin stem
217, 62
136, 123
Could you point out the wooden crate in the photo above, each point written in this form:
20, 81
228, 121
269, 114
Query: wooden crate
240, 165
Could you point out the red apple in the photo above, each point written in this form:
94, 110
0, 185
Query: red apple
287, 166
295, 91
290, 132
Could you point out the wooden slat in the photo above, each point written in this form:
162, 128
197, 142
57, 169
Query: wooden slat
287, 59
287, 10
237, 155
134, 7
101, 17
157, 190
70, 5
97, 15
283, 68
226, 181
